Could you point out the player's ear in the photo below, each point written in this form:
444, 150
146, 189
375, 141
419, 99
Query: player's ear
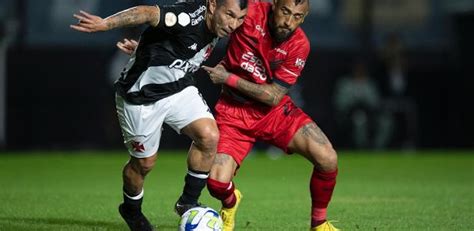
275, 2
212, 5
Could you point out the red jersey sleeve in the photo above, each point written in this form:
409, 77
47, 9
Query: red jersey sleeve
289, 69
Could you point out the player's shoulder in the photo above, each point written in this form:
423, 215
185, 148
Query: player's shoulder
298, 43
264, 6
184, 13
300, 38
188, 6
190, 3
258, 9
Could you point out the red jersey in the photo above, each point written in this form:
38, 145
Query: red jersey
253, 55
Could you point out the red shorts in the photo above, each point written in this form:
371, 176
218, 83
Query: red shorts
240, 125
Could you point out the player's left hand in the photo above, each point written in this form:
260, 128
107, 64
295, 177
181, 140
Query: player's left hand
89, 23
217, 74
127, 45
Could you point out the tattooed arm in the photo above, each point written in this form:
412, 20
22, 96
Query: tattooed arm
270, 94
130, 17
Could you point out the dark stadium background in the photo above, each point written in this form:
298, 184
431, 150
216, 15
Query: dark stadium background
55, 92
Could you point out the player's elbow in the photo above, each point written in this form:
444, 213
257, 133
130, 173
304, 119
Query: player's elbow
269, 96
275, 99
151, 14
275, 94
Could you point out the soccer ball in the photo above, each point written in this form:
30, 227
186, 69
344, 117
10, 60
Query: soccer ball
200, 219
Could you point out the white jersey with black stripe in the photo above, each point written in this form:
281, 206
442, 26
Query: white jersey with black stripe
168, 54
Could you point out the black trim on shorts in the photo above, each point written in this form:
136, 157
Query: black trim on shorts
153, 92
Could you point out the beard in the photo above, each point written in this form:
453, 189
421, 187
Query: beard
280, 34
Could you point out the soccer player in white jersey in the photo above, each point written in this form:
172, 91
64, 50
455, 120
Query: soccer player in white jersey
157, 87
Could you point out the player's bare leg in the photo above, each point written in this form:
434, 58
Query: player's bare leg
205, 136
313, 144
220, 186
134, 173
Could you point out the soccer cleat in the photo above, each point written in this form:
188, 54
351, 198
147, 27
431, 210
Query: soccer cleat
228, 214
326, 226
136, 222
180, 209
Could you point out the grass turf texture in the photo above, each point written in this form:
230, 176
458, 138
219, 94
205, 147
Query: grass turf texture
376, 191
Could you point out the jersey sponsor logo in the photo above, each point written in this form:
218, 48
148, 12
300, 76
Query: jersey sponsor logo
196, 21
261, 30
197, 16
170, 19
184, 19
300, 63
254, 65
184, 66
193, 47
197, 12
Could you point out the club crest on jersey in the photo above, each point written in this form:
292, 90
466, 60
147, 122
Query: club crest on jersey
300, 63
184, 66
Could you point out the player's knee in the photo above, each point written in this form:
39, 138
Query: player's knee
144, 166
207, 139
147, 166
219, 190
328, 162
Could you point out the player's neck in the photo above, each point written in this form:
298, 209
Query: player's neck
209, 22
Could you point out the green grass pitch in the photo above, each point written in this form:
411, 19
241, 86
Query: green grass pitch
375, 191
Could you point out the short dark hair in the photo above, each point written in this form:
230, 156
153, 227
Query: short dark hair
242, 3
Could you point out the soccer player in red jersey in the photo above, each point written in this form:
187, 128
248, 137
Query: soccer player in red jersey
265, 57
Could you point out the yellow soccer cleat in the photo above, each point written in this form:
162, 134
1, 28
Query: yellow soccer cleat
326, 226
228, 214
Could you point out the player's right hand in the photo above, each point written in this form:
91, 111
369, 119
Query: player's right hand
89, 23
127, 45
217, 74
